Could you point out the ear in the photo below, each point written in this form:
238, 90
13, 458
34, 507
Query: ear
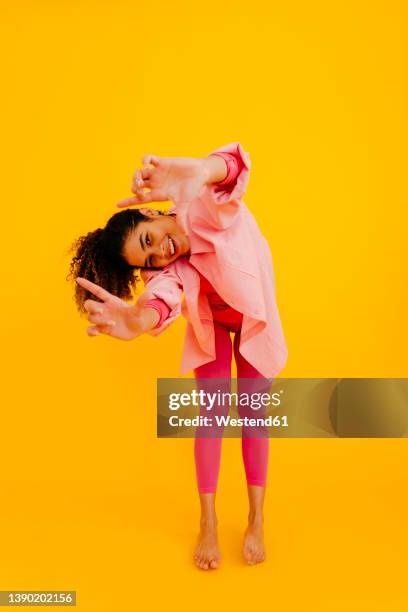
149, 212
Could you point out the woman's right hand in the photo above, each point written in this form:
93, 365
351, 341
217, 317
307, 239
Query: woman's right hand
115, 317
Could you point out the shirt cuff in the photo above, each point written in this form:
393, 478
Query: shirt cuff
161, 307
234, 166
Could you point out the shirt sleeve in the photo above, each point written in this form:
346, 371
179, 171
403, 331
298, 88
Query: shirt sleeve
222, 201
163, 286
161, 307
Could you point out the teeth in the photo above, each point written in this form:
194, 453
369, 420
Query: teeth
172, 249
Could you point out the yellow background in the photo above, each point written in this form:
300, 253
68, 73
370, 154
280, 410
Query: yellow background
316, 93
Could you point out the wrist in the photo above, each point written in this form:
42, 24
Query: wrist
142, 320
215, 169
150, 318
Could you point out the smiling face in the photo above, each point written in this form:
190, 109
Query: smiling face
155, 243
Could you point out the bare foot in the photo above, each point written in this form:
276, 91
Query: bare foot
254, 548
207, 554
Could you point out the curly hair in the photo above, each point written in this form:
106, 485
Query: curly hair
98, 258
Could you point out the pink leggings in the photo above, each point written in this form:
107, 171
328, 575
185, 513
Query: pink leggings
207, 451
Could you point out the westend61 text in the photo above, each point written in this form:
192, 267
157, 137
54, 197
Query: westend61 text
227, 421
208, 400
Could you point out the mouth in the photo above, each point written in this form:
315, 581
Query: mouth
171, 247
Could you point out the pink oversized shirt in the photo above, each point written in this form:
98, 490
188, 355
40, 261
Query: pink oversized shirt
228, 249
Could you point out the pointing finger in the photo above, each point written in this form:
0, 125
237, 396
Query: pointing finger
93, 288
135, 200
127, 202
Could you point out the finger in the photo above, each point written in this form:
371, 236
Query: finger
93, 307
141, 177
92, 331
139, 193
150, 159
128, 202
146, 173
143, 174
138, 183
100, 319
99, 329
137, 186
133, 201
146, 198
93, 288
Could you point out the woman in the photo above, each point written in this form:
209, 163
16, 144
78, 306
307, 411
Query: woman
210, 247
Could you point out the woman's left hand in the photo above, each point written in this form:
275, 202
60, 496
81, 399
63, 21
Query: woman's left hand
179, 179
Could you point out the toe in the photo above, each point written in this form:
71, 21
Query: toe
213, 564
261, 556
248, 555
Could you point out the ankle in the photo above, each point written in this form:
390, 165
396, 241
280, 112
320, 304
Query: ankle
255, 517
208, 522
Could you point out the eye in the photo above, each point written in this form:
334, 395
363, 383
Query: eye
148, 241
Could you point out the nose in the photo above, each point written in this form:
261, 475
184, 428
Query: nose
159, 251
